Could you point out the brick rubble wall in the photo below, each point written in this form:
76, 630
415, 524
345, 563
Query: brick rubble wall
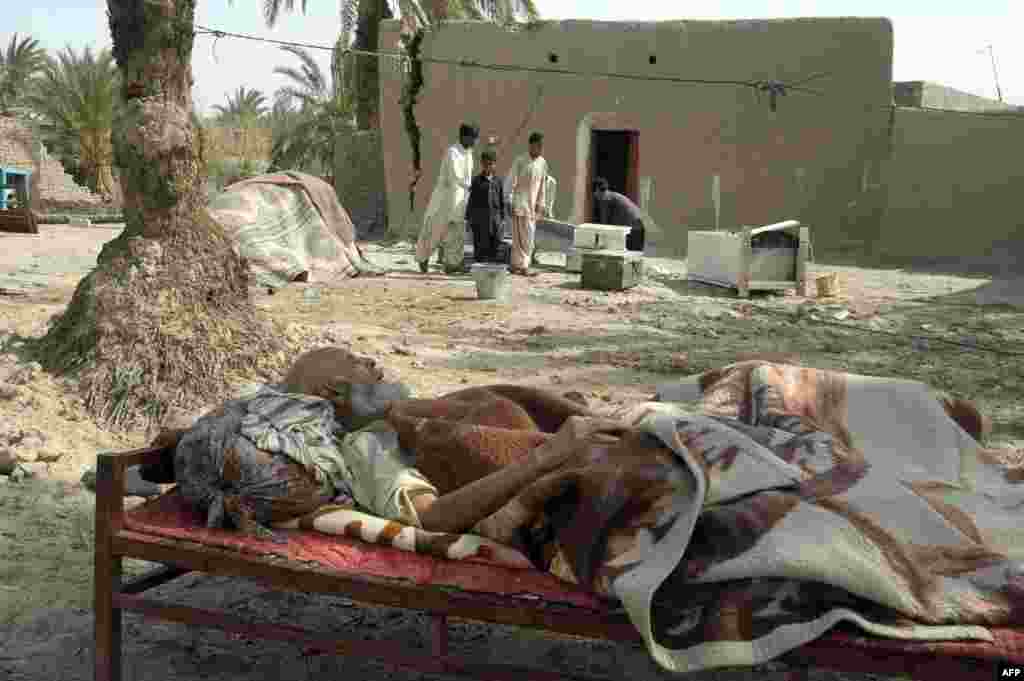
52, 188
359, 180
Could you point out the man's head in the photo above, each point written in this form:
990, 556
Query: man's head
468, 135
536, 142
600, 187
488, 159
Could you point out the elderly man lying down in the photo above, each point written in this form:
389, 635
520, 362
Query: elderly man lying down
744, 514
332, 429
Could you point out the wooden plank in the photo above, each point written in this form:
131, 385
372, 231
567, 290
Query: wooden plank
633, 168
802, 258
392, 654
107, 569
134, 457
776, 285
433, 598
152, 579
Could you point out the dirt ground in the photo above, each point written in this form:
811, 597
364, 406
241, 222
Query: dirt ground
956, 332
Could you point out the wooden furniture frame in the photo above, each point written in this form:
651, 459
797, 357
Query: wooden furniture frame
114, 596
733, 259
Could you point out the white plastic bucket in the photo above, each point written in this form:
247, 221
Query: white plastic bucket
491, 280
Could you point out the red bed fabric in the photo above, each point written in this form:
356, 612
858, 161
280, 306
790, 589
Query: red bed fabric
170, 516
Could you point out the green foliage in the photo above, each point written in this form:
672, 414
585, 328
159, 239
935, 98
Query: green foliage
20, 63
73, 102
359, 21
409, 96
244, 108
308, 116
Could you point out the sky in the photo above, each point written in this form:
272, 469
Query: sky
944, 41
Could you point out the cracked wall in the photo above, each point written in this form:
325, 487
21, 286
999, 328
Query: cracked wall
806, 160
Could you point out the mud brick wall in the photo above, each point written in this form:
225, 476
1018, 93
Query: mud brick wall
52, 188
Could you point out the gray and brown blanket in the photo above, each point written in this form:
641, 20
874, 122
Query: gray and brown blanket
775, 503
290, 223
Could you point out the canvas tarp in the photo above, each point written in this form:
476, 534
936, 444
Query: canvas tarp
288, 223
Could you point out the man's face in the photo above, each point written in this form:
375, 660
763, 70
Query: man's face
536, 148
468, 141
487, 167
599, 193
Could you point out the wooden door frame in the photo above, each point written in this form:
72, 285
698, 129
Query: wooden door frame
632, 188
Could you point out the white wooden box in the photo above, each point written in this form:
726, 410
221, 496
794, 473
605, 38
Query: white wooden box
735, 260
600, 237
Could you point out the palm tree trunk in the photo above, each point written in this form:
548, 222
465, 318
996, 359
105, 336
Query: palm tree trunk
371, 13
166, 314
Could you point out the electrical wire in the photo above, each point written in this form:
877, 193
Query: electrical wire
772, 88
757, 85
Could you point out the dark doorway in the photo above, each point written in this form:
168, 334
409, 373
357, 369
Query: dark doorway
614, 155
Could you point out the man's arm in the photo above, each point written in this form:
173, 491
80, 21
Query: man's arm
542, 195
461, 509
513, 178
473, 199
503, 202
455, 170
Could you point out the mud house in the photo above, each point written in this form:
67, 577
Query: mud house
25, 160
865, 164
664, 143
953, 180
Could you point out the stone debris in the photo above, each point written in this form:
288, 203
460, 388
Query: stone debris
25, 373
8, 460
19, 446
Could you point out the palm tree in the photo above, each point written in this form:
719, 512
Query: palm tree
244, 108
308, 83
166, 316
19, 64
74, 104
360, 30
308, 114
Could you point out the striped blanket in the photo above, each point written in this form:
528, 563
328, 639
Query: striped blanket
285, 224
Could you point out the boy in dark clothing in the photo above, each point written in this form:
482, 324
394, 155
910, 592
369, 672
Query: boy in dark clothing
486, 210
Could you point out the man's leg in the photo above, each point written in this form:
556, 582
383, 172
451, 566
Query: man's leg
455, 247
635, 238
430, 236
481, 242
522, 245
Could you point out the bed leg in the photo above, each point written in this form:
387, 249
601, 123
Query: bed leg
107, 565
439, 635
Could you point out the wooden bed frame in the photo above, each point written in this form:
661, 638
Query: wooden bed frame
114, 596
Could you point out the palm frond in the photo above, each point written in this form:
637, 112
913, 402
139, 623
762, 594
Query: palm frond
20, 63
74, 103
272, 10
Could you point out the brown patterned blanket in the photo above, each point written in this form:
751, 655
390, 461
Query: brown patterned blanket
756, 506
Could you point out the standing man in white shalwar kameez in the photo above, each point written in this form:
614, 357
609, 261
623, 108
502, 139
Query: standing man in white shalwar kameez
445, 217
527, 186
